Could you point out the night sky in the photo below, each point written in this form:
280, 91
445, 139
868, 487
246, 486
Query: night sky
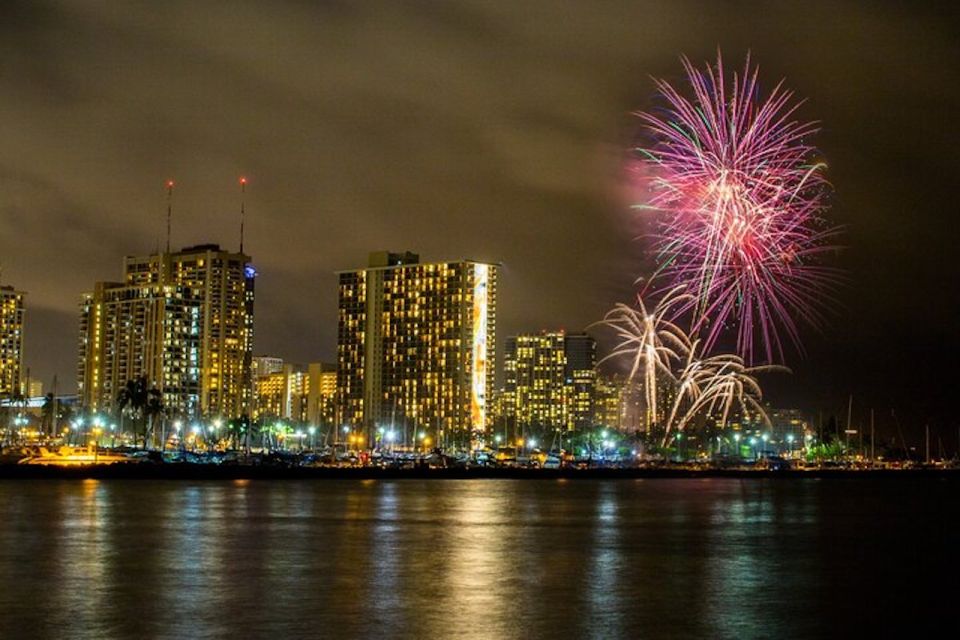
494, 131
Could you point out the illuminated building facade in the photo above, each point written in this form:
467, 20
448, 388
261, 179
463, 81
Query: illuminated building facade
322, 394
127, 332
216, 285
550, 381
265, 365
610, 404
281, 394
294, 393
11, 341
581, 379
416, 347
535, 389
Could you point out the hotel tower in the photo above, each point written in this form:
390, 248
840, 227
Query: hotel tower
416, 349
184, 320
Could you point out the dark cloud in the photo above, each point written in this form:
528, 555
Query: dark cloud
478, 129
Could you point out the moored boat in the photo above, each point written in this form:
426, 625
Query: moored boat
67, 456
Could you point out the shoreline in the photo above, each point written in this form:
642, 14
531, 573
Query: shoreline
250, 472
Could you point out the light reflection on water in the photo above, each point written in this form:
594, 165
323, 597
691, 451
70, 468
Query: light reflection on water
470, 559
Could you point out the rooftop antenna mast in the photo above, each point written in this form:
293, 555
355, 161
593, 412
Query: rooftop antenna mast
243, 215
169, 210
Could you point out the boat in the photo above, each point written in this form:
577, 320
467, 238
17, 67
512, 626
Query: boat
67, 456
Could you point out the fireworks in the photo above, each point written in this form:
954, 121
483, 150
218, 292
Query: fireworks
739, 198
674, 365
715, 386
651, 341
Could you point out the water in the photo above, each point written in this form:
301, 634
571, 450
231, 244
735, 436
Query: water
712, 558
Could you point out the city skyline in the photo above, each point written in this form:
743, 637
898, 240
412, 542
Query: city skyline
319, 194
478, 318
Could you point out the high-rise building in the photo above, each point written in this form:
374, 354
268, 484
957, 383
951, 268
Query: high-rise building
200, 294
129, 332
11, 341
281, 394
610, 403
416, 347
322, 394
535, 388
550, 381
581, 379
291, 392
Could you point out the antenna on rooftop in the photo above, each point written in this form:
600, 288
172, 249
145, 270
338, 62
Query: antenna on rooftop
169, 210
243, 215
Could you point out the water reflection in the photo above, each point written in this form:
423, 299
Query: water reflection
503, 559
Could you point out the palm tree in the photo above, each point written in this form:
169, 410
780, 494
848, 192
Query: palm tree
48, 421
239, 429
133, 399
143, 402
153, 409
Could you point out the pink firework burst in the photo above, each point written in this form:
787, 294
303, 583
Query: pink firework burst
740, 197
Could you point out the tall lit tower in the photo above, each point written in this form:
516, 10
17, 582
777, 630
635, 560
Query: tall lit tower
416, 347
535, 392
223, 282
550, 381
183, 319
11, 341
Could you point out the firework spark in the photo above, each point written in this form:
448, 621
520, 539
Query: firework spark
740, 199
715, 386
651, 341
672, 364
